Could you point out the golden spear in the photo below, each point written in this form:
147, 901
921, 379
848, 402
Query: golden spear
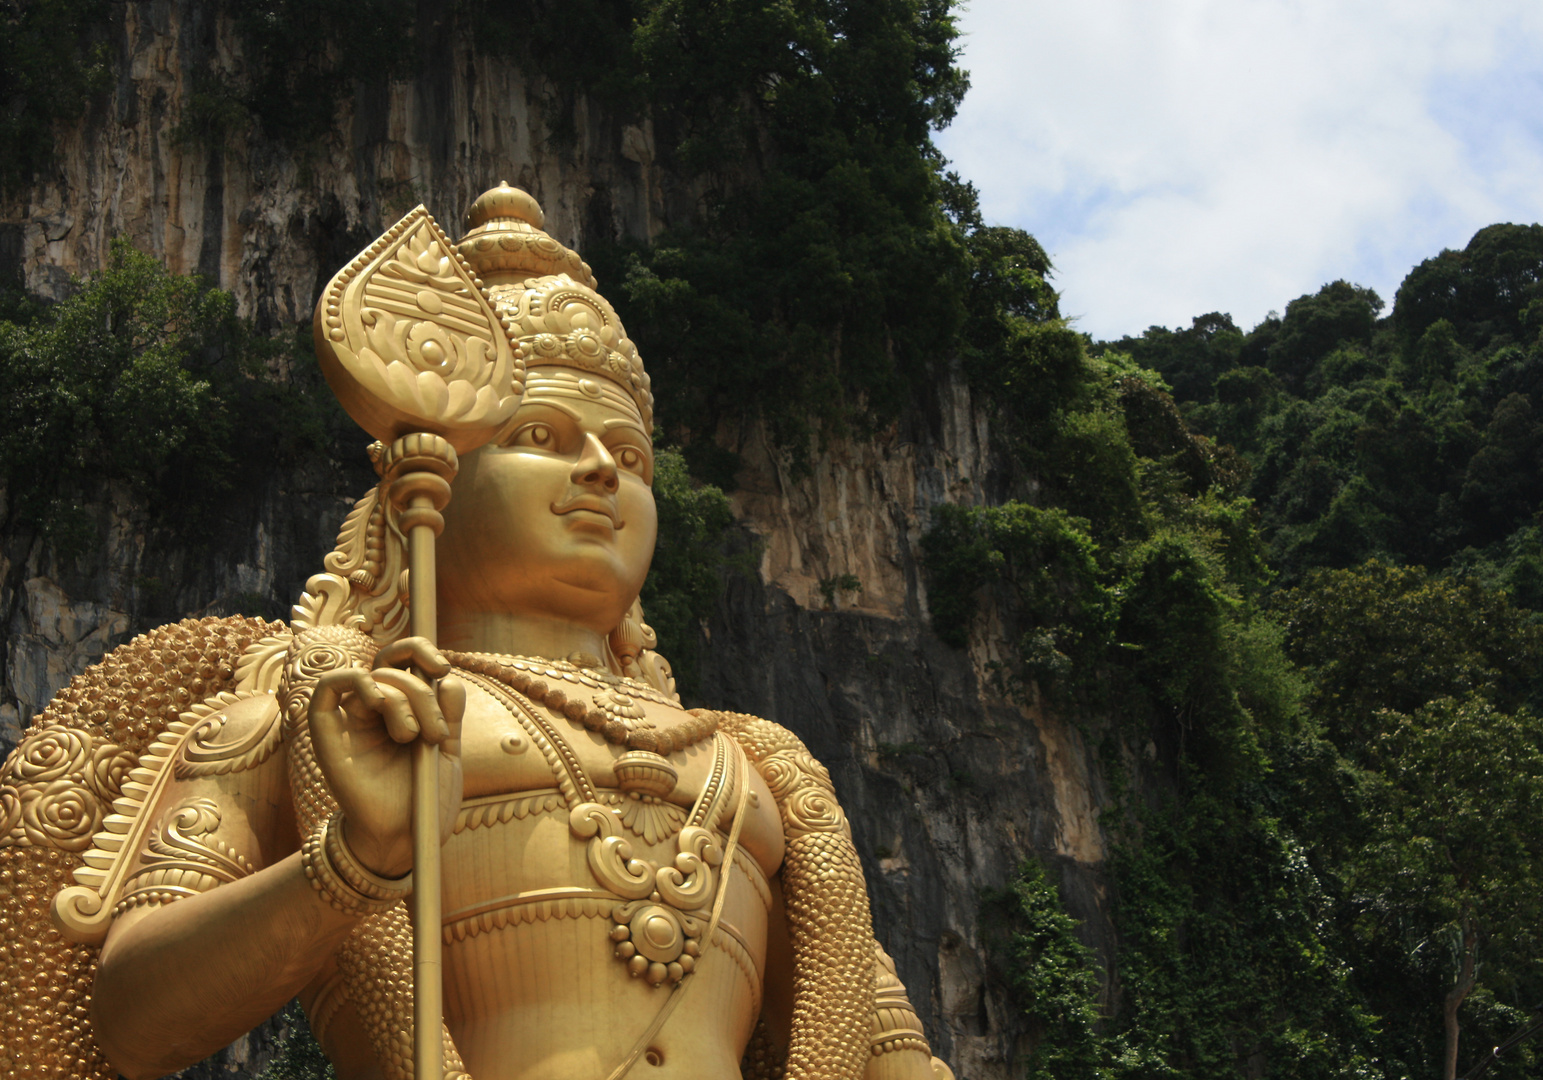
416, 353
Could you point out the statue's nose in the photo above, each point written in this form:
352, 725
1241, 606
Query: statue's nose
596, 468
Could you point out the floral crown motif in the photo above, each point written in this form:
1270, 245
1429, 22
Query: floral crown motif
548, 294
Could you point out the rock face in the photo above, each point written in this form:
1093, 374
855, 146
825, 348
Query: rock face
949, 783
270, 223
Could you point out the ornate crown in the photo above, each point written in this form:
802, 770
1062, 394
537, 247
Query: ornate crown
547, 294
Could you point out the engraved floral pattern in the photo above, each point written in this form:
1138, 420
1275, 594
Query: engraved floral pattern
63, 815
319, 657
10, 810
781, 774
110, 767
546, 346
431, 347
803, 789
50, 753
813, 810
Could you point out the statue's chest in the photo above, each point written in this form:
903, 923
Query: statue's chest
511, 743
556, 813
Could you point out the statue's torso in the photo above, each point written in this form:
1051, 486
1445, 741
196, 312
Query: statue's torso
534, 911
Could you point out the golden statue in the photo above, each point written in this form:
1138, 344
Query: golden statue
221, 814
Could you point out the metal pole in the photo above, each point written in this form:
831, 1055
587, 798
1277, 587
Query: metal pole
421, 467
428, 976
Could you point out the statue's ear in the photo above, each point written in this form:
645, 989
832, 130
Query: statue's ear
628, 639
410, 342
632, 645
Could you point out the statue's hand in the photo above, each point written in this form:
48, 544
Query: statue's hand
362, 726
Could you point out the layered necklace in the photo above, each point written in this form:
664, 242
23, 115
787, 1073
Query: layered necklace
613, 707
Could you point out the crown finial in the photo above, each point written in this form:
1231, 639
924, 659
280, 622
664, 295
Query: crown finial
505, 202
505, 242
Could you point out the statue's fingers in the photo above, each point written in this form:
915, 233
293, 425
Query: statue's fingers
413, 652
430, 720
397, 711
332, 685
452, 704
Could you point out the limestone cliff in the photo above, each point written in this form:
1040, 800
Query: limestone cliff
949, 784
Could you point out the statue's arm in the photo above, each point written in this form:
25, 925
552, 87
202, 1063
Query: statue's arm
896, 1042
219, 925
844, 1013
899, 1046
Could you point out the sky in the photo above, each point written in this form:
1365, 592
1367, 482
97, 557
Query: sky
1178, 157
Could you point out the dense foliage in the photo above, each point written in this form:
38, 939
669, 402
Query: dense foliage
689, 562
53, 57
1297, 565
818, 278
296, 1055
1413, 438
146, 379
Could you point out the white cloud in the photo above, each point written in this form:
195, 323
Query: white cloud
1183, 156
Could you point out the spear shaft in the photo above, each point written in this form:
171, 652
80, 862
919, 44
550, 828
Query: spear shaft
421, 469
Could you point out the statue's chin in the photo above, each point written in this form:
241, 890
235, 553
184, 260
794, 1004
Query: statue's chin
583, 596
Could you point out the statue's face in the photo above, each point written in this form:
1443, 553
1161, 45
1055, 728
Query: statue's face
558, 519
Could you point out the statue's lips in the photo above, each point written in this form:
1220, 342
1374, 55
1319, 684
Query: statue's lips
591, 505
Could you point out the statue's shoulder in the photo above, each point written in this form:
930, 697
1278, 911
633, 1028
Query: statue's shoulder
134, 692
76, 792
760, 737
801, 785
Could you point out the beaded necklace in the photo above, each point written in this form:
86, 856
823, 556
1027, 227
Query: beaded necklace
612, 711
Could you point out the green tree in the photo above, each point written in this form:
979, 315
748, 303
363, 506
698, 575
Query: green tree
1052, 977
1413, 438
1380, 637
1314, 325
148, 379
1190, 360
1482, 290
1047, 565
1456, 857
686, 576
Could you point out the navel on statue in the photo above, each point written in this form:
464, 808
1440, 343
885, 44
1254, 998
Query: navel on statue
455, 804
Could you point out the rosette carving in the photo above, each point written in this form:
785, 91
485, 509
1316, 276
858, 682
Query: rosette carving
50, 753
10, 811
781, 774
56, 785
409, 341
312, 654
63, 815
803, 790
110, 767
812, 809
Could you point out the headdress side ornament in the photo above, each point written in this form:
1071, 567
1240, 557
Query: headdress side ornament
549, 295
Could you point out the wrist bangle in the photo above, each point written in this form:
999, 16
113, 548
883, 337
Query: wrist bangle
341, 879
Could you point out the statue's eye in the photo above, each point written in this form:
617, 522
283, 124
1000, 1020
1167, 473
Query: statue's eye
630, 458
536, 435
